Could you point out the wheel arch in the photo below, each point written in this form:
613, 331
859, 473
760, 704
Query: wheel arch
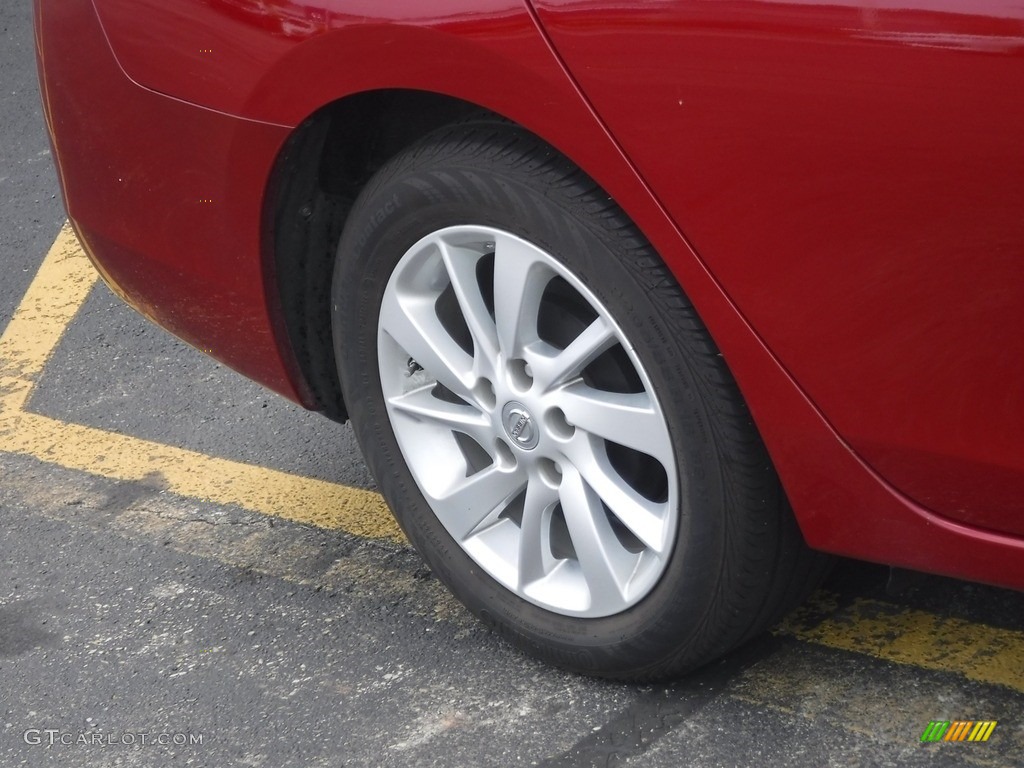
346, 92
316, 177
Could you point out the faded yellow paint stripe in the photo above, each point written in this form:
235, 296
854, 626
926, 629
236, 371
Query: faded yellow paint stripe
188, 473
54, 296
977, 651
56, 293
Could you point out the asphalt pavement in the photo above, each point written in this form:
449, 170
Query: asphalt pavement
152, 613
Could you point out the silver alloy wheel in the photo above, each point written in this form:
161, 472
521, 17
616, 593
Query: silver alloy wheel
562, 488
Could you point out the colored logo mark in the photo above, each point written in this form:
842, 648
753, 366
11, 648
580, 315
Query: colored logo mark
958, 730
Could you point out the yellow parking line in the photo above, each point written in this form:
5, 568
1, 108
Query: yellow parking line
57, 292
54, 296
188, 473
886, 631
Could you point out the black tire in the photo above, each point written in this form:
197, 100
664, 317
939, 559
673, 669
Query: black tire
738, 560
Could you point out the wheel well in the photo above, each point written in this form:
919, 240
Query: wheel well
316, 178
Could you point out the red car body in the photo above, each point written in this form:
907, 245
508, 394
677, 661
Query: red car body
837, 185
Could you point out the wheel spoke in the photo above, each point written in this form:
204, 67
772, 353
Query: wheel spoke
630, 420
412, 322
475, 503
535, 558
644, 518
461, 264
420, 404
519, 280
553, 371
605, 563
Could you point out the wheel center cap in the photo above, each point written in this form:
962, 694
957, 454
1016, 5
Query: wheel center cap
520, 426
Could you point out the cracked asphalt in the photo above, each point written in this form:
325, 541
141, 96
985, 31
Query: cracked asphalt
223, 636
